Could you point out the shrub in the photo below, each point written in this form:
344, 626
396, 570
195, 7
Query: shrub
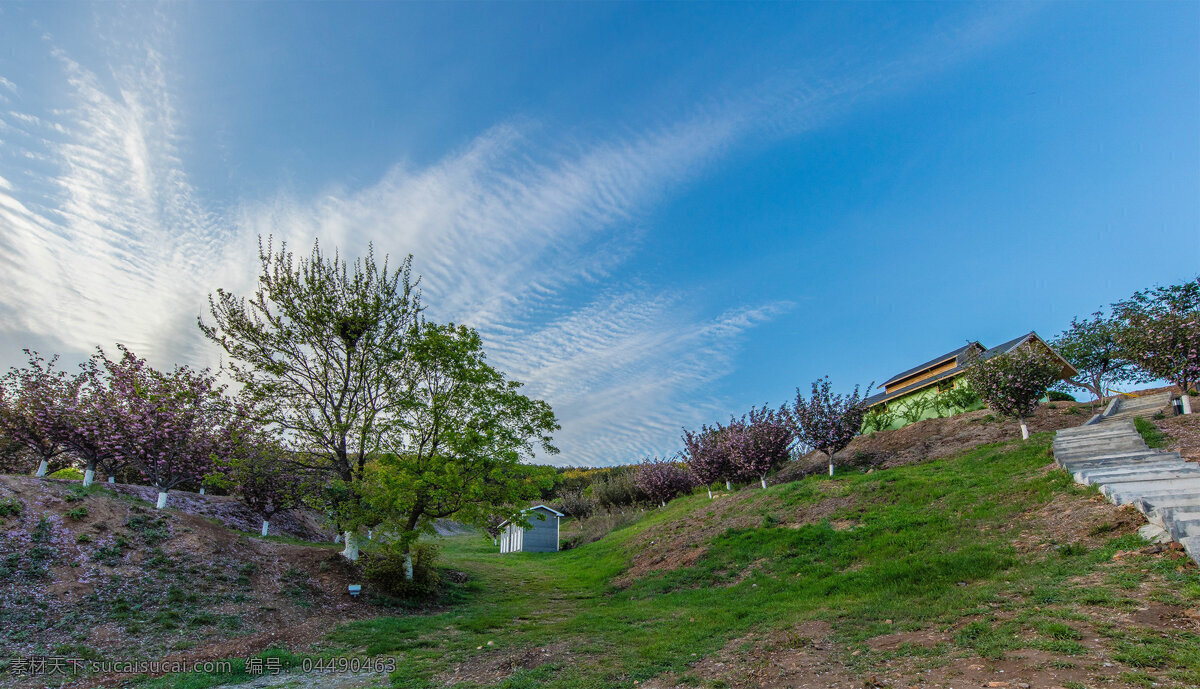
878, 419
601, 524
10, 507
77, 513
384, 570
912, 409
575, 504
962, 397
618, 489
69, 473
1056, 396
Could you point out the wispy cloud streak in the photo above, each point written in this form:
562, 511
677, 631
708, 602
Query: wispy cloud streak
515, 235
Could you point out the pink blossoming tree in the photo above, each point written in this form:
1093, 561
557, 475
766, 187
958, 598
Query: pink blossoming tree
827, 422
707, 456
1012, 383
760, 442
31, 407
663, 479
1161, 333
170, 424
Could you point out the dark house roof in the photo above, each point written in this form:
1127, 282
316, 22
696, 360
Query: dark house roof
1003, 348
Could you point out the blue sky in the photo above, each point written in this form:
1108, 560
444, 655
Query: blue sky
657, 214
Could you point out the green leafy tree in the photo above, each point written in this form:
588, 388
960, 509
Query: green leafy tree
1092, 347
1012, 383
320, 348
456, 447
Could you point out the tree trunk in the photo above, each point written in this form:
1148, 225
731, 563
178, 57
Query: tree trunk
351, 550
370, 534
1024, 430
710, 492
266, 523
1187, 403
112, 479
41, 470
89, 474
663, 503
337, 538
831, 465
202, 490
727, 485
162, 500
408, 568
763, 480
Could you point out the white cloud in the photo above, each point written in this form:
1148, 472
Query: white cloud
515, 235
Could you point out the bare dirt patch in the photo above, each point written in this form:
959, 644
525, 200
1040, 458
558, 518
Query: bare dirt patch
112, 577
1070, 519
490, 667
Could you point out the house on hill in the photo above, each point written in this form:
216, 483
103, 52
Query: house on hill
540, 537
917, 393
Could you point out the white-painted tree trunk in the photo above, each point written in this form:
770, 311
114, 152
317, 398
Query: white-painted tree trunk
162, 500
831, 466
370, 534
337, 538
42, 468
728, 486
408, 569
88, 476
710, 492
202, 490
663, 503
350, 552
763, 480
112, 479
1024, 431
1187, 403
266, 523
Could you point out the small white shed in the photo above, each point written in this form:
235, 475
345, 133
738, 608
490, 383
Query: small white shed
540, 537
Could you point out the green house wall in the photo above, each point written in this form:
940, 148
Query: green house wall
930, 412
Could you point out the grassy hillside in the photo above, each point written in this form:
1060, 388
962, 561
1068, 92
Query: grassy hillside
987, 566
95, 574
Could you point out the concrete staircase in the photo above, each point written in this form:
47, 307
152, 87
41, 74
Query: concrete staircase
1109, 452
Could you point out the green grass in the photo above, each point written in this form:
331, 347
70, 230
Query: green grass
1151, 434
932, 549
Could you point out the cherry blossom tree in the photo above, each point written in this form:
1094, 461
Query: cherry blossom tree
170, 425
827, 422
31, 407
90, 419
1012, 383
1092, 348
262, 474
707, 455
760, 442
663, 479
1161, 334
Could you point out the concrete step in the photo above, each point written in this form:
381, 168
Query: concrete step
1118, 473
1160, 508
1094, 432
1122, 455
1119, 460
1141, 477
1182, 525
1122, 492
1191, 545
1106, 450
1081, 431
